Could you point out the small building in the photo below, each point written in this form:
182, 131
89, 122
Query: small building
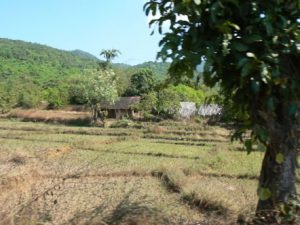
123, 107
187, 110
210, 110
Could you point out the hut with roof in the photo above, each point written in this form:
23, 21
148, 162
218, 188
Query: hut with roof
123, 107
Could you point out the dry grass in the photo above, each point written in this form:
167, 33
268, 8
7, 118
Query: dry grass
225, 197
54, 174
53, 116
157, 129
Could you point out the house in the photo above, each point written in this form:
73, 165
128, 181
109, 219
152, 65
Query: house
123, 107
210, 110
189, 109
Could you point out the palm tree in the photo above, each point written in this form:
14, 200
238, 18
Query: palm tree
110, 54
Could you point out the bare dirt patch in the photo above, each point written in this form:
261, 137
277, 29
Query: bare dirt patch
59, 152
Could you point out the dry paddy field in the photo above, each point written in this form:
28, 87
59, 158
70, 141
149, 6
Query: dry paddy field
163, 173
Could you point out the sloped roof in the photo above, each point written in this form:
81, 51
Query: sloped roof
209, 110
122, 103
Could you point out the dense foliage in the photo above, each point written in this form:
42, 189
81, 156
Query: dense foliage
93, 88
189, 94
141, 82
165, 102
251, 49
33, 74
41, 62
159, 69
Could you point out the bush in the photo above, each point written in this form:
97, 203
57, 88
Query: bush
168, 103
164, 104
29, 99
56, 97
189, 94
123, 123
142, 82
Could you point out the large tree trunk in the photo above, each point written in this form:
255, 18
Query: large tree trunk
277, 178
278, 173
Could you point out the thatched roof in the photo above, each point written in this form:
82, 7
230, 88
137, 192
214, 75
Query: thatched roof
122, 103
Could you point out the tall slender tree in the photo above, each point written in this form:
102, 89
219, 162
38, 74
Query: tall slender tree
110, 54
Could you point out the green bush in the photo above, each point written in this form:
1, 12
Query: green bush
56, 97
168, 103
189, 94
28, 100
123, 123
29, 94
164, 104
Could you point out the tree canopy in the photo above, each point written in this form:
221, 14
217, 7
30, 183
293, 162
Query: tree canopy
251, 49
110, 54
95, 87
32, 74
141, 82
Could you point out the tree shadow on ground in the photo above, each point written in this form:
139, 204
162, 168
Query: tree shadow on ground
127, 212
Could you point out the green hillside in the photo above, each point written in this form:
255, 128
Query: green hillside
46, 63
39, 61
32, 73
160, 69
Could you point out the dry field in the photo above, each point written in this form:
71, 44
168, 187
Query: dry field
164, 173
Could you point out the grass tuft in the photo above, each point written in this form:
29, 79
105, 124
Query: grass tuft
157, 129
205, 203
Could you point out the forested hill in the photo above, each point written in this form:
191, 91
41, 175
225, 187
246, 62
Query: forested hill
43, 63
160, 69
39, 61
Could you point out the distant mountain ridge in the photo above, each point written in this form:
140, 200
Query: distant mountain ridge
84, 54
47, 63
40, 62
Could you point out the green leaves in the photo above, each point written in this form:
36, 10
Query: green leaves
251, 50
255, 86
261, 133
279, 158
293, 108
264, 193
246, 69
240, 47
95, 87
252, 38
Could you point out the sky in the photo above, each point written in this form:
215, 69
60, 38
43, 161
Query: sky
88, 25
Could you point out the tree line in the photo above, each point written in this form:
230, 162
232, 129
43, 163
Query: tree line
34, 75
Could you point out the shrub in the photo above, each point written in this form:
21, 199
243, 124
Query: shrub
189, 94
157, 129
56, 97
164, 104
123, 123
29, 99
